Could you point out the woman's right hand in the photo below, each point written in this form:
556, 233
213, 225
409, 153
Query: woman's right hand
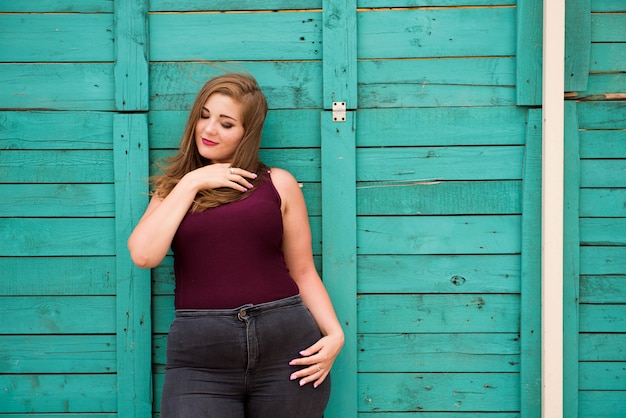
152, 237
218, 175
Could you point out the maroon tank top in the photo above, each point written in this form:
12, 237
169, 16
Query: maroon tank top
231, 255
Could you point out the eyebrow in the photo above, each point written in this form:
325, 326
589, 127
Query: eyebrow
221, 116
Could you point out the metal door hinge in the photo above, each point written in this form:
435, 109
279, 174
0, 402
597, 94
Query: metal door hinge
339, 111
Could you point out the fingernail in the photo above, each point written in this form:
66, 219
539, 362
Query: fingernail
293, 377
302, 353
315, 385
292, 363
302, 382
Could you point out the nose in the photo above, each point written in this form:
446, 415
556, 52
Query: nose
210, 126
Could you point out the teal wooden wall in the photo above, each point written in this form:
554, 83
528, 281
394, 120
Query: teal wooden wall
595, 269
75, 330
424, 204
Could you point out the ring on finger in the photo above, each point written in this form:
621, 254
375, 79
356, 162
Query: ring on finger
232, 170
319, 369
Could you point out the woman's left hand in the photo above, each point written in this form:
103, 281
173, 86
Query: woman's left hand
319, 359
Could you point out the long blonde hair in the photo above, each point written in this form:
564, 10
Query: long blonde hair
245, 90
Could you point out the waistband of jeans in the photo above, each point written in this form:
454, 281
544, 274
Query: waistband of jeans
250, 308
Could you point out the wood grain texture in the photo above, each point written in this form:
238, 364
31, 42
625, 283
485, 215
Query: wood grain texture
58, 393
56, 38
439, 353
293, 36
287, 85
58, 86
39, 130
436, 313
444, 32
438, 392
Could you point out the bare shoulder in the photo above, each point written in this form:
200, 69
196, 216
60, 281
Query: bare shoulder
283, 180
287, 187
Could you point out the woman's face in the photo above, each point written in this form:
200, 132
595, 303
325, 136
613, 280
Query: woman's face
219, 129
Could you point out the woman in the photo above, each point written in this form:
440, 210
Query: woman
255, 333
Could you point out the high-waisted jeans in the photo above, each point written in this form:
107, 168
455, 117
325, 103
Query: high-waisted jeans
235, 363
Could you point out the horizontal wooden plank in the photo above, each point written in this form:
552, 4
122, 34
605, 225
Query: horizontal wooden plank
602, 260
59, 6
608, 27
609, 143
602, 376
50, 130
440, 126
57, 236
56, 38
438, 198
58, 86
57, 315
426, 392
163, 278
225, 5
439, 235
282, 129
603, 173
604, 86
433, 95
63, 200
442, 353
162, 313
293, 36
602, 404
287, 85
602, 347
440, 163
601, 115
58, 354
606, 6
472, 414
607, 57
483, 71
58, 276
475, 313
58, 393
159, 347
439, 274
65, 415
442, 32
430, 3
602, 318
603, 289
56, 166
603, 231
303, 163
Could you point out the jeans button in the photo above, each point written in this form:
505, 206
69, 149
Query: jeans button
241, 315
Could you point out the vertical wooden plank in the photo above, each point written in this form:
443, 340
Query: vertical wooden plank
134, 330
131, 51
571, 262
577, 44
530, 327
339, 65
339, 194
339, 252
529, 52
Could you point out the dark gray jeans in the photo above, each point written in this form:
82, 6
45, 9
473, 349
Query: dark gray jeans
235, 363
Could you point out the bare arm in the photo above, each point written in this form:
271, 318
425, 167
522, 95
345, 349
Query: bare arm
319, 358
152, 237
